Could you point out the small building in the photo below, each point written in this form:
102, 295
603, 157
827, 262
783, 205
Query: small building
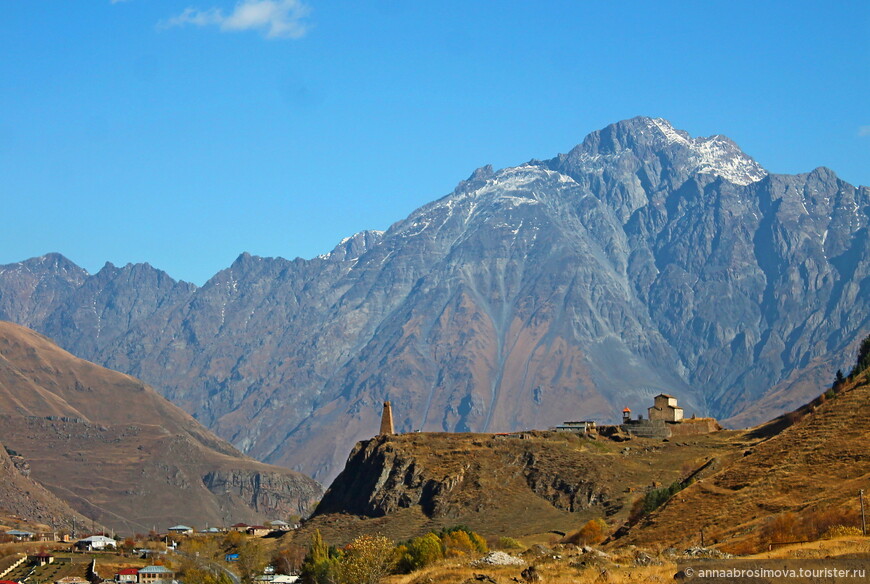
127, 575
280, 525
181, 530
580, 427
19, 535
240, 527
258, 530
151, 574
626, 416
665, 408
42, 558
211, 530
71, 580
96, 542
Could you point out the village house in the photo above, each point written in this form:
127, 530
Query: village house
279, 525
71, 580
19, 535
258, 530
96, 542
127, 575
581, 427
151, 574
240, 527
277, 579
42, 558
181, 530
665, 408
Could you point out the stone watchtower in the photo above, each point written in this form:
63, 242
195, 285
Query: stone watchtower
387, 420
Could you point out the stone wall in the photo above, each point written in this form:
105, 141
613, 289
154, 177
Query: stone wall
648, 428
693, 427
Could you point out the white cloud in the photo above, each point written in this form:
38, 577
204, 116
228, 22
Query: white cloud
864, 131
275, 18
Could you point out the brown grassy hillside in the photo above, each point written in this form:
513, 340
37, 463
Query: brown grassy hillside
25, 504
786, 487
120, 453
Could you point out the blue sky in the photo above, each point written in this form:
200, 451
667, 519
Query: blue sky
182, 133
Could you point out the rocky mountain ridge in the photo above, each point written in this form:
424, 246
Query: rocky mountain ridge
642, 261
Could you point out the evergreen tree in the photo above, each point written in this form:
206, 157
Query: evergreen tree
319, 566
863, 361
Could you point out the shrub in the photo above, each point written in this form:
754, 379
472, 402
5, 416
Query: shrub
457, 543
841, 531
783, 528
419, 552
809, 525
592, 532
509, 543
658, 497
460, 540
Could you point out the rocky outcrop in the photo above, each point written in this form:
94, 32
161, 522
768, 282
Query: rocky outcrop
271, 494
386, 474
642, 261
532, 482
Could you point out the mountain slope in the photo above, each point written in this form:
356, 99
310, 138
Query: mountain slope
27, 500
817, 465
120, 453
642, 261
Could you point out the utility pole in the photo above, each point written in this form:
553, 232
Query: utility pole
863, 519
702, 537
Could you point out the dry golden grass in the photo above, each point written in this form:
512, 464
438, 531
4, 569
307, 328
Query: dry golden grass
555, 572
619, 568
823, 548
809, 470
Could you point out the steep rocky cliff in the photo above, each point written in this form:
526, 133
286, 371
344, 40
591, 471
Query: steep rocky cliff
273, 494
644, 260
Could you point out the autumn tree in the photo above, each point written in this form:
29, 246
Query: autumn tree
252, 560
288, 560
366, 560
592, 532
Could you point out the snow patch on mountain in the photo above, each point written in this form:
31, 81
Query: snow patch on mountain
716, 155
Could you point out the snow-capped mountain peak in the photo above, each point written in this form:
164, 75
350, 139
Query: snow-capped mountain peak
715, 155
